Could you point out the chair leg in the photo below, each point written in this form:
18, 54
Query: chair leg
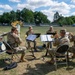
55, 63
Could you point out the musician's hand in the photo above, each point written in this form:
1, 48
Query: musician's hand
71, 34
56, 36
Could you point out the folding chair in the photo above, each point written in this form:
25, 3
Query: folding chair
2, 49
61, 53
10, 51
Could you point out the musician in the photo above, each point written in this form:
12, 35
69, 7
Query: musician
30, 31
14, 40
51, 30
58, 41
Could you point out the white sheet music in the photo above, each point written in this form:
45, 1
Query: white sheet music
49, 37
46, 38
67, 34
31, 37
43, 38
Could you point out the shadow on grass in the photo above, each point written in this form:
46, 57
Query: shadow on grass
71, 65
3, 63
41, 69
45, 68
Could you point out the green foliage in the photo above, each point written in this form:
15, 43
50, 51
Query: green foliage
65, 21
25, 15
40, 18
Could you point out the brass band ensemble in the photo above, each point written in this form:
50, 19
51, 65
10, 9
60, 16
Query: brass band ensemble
50, 39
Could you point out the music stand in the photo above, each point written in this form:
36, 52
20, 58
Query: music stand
47, 38
31, 37
52, 33
37, 34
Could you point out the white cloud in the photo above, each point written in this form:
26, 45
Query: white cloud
33, 4
73, 13
21, 6
73, 1
14, 0
53, 6
6, 7
1, 12
72, 6
61, 8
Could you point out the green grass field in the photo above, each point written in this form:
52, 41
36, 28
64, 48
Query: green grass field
37, 66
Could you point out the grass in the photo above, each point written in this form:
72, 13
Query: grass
37, 66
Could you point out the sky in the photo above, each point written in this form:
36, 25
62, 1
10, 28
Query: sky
48, 7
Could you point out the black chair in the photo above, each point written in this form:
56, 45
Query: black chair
10, 51
61, 54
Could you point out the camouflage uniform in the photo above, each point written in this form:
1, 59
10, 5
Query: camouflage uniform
49, 44
58, 42
72, 49
28, 42
14, 40
29, 32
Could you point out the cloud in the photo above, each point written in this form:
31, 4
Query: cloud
73, 1
73, 13
14, 0
53, 6
21, 6
1, 12
34, 4
62, 8
6, 7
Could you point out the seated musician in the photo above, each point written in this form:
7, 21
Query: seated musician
72, 39
58, 41
14, 40
51, 30
30, 31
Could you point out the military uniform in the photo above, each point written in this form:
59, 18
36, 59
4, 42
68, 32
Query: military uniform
14, 40
28, 42
58, 42
49, 44
29, 32
72, 49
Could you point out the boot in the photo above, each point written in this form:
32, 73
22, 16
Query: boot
22, 58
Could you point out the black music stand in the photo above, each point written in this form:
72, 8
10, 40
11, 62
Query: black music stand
32, 38
52, 33
37, 34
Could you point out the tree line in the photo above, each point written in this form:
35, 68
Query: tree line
29, 17
67, 21
25, 15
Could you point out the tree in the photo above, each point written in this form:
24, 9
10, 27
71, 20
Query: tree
40, 18
27, 15
13, 16
56, 16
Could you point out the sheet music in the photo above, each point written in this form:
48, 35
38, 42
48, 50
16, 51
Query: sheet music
43, 38
67, 34
46, 38
49, 38
31, 37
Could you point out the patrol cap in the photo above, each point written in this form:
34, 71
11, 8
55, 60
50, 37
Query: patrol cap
30, 27
13, 28
63, 31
